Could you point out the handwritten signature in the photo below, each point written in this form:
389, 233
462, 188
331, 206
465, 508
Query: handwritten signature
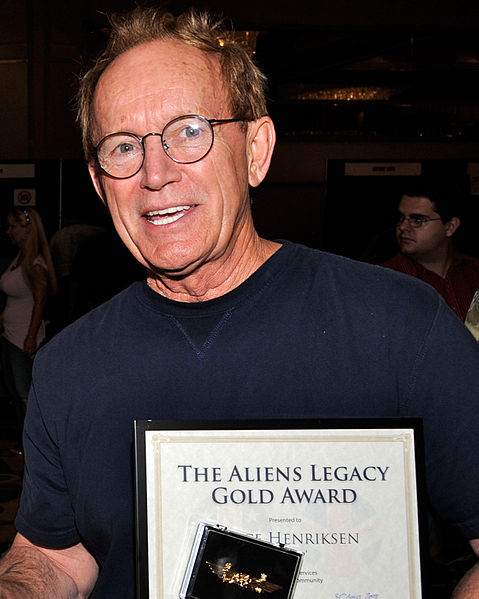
361, 596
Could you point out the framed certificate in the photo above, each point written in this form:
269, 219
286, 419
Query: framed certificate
306, 508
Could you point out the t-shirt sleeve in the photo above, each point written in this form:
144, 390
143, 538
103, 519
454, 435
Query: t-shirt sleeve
45, 515
444, 391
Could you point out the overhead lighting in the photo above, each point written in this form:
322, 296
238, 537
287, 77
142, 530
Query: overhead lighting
247, 39
356, 93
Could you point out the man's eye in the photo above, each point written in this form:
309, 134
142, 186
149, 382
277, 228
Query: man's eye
120, 146
191, 132
126, 147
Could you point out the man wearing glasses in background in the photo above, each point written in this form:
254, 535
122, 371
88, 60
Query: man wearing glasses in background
227, 325
428, 217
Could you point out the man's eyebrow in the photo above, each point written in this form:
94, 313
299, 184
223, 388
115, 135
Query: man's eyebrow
415, 214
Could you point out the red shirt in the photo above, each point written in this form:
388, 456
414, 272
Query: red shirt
457, 287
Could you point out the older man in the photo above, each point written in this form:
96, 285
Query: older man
227, 325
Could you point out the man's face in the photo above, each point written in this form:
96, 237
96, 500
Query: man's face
424, 240
173, 217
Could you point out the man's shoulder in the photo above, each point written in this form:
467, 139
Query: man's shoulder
91, 325
467, 260
398, 258
361, 278
401, 263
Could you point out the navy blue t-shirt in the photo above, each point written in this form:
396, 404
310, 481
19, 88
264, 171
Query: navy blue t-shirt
308, 335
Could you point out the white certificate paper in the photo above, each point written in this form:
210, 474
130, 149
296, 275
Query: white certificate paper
346, 498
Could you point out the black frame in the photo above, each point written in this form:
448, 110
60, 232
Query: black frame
142, 426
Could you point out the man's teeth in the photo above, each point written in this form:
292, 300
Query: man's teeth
166, 216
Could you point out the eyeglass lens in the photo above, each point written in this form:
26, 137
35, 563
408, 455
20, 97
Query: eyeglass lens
185, 139
414, 220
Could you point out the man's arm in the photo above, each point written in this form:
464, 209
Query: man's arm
33, 572
468, 587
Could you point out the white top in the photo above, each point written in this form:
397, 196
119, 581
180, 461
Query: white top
18, 308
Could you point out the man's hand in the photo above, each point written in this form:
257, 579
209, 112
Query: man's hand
33, 572
468, 587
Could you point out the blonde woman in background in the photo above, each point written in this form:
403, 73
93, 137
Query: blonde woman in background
26, 283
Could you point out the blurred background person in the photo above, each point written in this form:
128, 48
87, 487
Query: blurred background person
64, 245
428, 218
26, 284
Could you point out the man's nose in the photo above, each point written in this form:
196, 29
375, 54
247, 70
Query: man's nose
158, 168
403, 224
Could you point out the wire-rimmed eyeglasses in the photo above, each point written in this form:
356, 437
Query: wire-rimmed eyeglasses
185, 139
414, 220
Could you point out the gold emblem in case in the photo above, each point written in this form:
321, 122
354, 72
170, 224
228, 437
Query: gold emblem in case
245, 581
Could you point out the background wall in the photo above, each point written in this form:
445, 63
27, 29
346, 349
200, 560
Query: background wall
420, 58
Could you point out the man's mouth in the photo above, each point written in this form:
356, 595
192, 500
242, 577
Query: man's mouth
166, 216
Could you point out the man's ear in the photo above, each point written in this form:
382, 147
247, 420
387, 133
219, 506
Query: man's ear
95, 177
452, 226
261, 138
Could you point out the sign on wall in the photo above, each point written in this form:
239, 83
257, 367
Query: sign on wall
382, 169
17, 171
24, 197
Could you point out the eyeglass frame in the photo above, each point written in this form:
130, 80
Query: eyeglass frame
417, 224
210, 122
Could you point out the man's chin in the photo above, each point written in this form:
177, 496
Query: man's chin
173, 270
409, 252
407, 247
